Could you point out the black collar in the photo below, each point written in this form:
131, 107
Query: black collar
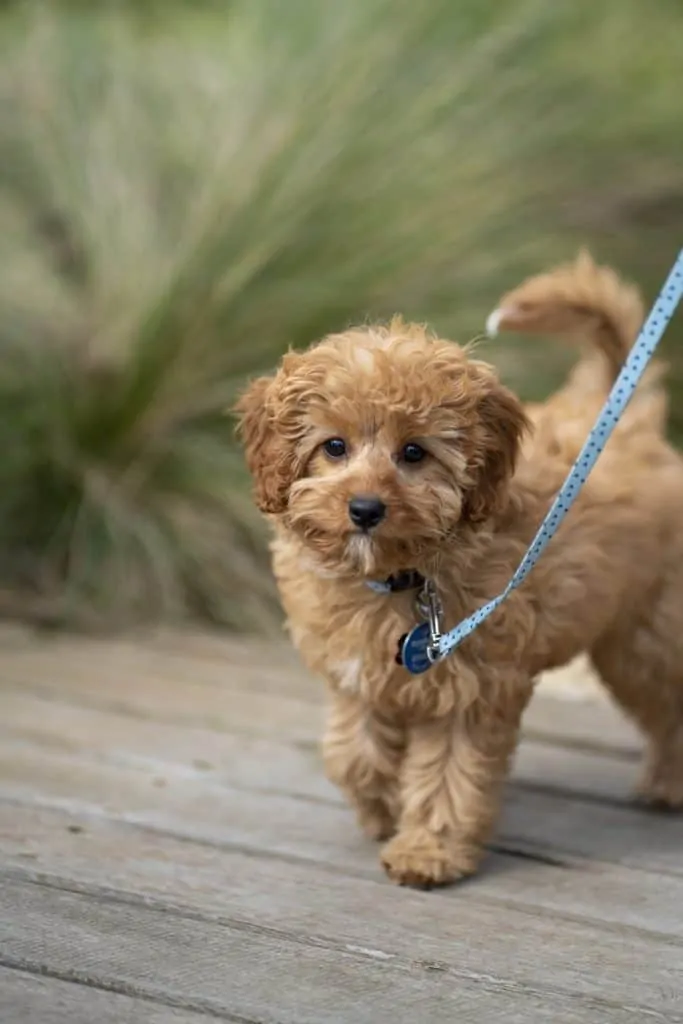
407, 579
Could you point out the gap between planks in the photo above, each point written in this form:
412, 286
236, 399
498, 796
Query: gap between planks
34, 997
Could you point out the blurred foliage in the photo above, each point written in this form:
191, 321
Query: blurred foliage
187, 189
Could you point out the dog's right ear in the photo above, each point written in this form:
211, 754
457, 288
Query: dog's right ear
268, 455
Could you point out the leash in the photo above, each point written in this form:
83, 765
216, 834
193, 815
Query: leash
425, 644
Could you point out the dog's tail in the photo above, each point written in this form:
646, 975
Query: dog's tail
586, 303
580, 301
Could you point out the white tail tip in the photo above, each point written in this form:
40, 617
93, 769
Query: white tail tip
493, 322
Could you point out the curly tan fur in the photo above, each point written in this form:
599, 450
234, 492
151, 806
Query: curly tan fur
423, 759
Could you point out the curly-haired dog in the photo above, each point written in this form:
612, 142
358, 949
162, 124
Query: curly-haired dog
387, 454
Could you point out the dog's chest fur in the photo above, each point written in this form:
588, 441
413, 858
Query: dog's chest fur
349, 634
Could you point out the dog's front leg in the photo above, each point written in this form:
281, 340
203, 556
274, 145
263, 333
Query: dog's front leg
451, 779
362, 753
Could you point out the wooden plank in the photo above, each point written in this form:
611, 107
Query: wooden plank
199, 805
589, 725
255, 668
577, 773
96, 851
283, 763
178, 642
185, 672
564, 709
165, 749
30, 714
32, 999
568, 827
472, 970
189, 702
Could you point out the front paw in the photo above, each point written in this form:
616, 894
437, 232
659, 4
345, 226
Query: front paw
421, 859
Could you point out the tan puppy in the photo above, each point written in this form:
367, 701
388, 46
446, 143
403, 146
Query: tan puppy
386, 454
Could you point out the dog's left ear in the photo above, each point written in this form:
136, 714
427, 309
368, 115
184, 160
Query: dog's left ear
501, 423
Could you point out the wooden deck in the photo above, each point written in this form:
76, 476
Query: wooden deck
171, 852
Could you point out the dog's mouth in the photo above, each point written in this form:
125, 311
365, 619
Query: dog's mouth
360, 548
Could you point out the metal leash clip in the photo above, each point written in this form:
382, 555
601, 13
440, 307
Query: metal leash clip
431, 609
419, 649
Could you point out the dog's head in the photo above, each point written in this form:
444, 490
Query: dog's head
375, 445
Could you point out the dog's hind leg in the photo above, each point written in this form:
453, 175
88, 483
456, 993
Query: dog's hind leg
641, 665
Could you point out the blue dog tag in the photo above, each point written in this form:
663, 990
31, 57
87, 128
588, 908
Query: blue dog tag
414, 649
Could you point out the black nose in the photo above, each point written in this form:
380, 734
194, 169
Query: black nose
366, 512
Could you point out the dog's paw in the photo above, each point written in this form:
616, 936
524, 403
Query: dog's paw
661, 785
421, 859
661, 794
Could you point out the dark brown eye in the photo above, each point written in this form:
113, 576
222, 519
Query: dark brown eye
412, 453
334, 448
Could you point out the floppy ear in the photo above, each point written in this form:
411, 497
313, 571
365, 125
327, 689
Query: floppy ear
501, 425
269, 453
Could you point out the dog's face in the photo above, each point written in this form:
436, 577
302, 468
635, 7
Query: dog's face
377, 444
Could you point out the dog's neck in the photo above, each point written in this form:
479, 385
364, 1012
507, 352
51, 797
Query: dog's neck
398, 582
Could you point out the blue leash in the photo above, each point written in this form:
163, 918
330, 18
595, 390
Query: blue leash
423, 646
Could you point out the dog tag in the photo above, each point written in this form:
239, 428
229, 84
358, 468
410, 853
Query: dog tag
413, 649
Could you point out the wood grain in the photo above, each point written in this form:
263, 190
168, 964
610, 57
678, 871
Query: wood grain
247, 755
176, 666
287, 787
260, 973
85, 849
170, 851
33, 999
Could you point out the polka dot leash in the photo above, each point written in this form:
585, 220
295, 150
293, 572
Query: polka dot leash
416, 653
